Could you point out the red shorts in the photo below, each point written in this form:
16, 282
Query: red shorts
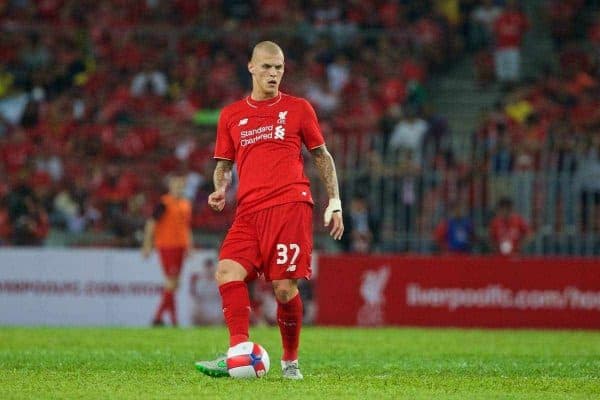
275, 242
171, 259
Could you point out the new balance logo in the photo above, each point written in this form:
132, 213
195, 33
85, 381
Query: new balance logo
243, 121
291, 268
279, 132
247, 307
286, 323
282, 116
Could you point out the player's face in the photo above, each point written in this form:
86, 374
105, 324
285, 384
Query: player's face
267, 70
177, 185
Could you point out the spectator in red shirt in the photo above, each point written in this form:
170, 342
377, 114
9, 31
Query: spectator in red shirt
16, 152
508, 230
509, 30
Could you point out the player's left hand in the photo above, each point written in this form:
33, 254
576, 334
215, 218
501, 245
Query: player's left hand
337, 225
333, 217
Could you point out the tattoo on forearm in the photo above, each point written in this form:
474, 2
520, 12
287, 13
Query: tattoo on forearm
222, 174
324, 163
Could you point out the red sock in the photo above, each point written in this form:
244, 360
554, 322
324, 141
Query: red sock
289, 318
236, 309
170, 306
162, 306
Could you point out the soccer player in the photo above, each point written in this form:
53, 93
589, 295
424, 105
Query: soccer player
272, 231
170, 230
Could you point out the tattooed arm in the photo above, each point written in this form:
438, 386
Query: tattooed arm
221, 180
326, 167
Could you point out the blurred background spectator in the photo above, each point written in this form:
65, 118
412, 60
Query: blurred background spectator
509, 28
509, 232
455, 234
360, 226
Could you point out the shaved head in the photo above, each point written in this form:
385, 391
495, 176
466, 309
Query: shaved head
266, 67
266, 47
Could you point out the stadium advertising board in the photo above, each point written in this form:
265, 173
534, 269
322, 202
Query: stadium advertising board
99, 287
458, 291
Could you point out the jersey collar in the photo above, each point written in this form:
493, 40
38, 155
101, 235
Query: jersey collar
261, 103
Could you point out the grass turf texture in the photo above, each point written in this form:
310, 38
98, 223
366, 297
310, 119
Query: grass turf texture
120, 363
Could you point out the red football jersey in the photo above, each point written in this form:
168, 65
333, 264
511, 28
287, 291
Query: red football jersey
264, 138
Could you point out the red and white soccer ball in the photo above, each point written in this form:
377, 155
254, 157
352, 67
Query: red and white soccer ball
247, 360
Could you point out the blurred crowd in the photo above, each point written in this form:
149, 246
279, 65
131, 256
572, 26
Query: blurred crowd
545, 132
533, 160
100, 100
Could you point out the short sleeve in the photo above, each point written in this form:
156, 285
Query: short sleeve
224, 148
311, 132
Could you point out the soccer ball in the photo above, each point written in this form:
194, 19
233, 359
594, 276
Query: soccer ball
247, 360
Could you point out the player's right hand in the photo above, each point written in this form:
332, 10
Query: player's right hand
216, 200
146, 251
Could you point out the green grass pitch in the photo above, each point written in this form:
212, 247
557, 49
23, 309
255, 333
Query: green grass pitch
121, 363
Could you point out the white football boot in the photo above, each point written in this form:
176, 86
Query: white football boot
291, 370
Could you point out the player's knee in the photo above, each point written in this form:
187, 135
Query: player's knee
171, 283
229, 271
285, 290
221, 276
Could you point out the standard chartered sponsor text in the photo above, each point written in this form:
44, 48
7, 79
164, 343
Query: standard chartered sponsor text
254, 135
497, 296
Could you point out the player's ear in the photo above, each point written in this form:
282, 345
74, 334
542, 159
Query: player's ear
251, 67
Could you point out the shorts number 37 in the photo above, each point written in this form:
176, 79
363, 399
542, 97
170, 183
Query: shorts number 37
283, 253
